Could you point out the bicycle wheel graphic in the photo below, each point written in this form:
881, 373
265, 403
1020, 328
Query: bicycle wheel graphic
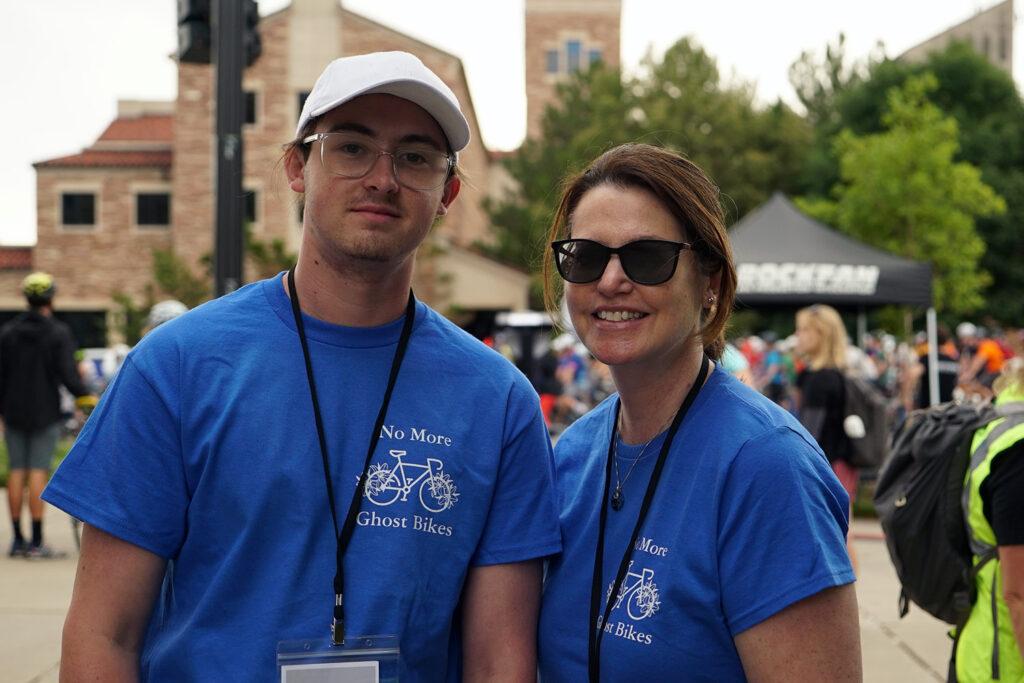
644, 602
438, 493
382, 486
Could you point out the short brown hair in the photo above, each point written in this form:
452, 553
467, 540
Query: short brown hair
686, 192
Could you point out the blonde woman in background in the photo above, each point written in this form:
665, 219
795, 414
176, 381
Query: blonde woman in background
821, 340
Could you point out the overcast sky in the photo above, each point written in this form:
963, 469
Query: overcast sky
65, 63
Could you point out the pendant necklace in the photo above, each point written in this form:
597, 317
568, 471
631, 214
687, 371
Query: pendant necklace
617, 499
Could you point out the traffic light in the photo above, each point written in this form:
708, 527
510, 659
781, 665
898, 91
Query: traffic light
194, 34
252, 44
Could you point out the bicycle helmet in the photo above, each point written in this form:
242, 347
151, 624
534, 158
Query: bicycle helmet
38, 288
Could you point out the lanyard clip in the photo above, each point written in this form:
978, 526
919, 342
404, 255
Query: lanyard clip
338, 623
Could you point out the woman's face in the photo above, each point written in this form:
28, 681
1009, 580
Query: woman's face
621, 322
808, 339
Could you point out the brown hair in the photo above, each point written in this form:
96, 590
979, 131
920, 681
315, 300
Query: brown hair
826, 321
685, 192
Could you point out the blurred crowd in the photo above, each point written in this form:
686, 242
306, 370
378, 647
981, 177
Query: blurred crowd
570, 381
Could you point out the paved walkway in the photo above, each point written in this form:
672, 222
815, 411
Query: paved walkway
34, 596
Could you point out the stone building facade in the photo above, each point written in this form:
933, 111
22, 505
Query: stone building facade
990, 32
563, 36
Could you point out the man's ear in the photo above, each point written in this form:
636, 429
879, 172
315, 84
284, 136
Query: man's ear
451, 191
294, 166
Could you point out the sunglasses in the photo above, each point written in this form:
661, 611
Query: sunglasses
645, 262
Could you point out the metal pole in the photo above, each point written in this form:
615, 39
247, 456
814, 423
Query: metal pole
933, 357
228, 60
862, 326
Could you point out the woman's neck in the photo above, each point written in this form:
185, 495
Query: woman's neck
651, 396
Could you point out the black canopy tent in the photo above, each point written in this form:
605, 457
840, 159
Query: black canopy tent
784, 257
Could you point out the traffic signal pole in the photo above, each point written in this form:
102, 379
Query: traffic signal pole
229, 58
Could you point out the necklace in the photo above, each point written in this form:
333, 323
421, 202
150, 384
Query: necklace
617, 499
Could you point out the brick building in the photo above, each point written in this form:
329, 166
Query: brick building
147, 182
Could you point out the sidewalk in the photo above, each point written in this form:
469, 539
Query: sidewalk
34, 596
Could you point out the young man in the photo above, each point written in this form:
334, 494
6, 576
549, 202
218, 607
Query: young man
238, 440
36, 358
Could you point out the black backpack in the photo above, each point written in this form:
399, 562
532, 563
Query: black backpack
917, 499
865, 401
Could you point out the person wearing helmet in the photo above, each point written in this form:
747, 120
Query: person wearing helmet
36, 358
981, 358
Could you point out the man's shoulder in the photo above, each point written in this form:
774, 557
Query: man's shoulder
456, 345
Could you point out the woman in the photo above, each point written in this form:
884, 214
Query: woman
702, 528
821, 340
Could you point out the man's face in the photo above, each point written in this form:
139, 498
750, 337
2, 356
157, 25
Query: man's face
374, 218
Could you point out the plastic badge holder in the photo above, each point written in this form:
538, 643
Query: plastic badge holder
361, 659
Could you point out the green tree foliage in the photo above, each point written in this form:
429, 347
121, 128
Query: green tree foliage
679, 102
984, 101
175, 279
902, 190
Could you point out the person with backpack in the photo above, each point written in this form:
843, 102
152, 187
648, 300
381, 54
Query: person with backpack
821, 397
36, 359
991, 643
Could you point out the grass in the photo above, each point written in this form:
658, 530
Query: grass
63, 446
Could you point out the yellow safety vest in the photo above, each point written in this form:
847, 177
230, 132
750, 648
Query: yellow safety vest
986, 649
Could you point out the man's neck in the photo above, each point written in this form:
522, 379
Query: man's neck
359, 298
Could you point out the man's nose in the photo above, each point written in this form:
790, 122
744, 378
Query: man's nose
381, 176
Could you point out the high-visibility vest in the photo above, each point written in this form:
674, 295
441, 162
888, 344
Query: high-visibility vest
986, 648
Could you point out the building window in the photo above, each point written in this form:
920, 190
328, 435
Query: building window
1002, 47
594, 56
78, 208
573, 50
552, 61
302, 101
250, 107
986, 47
153, 209
249, 212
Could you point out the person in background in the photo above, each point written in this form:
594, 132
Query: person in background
163, 312
981, 358
991, 644
37, 357
774, 382
703, 529
948, 370
821, 400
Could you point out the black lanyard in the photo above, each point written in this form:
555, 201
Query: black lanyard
345, 534
596, 629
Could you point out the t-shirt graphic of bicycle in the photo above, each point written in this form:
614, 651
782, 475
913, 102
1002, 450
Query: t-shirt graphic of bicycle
385, 484
640, 593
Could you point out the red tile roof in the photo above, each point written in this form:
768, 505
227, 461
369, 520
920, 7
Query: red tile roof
149, 128
15, 258
109, 158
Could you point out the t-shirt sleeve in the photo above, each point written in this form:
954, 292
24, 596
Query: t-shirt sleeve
522, 522
124, 474
782, 528
1001, 493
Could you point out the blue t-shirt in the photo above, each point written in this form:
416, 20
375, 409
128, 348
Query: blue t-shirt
204, 451
747, 519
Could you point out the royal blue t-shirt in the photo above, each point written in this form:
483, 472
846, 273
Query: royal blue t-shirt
747, 519
204, 451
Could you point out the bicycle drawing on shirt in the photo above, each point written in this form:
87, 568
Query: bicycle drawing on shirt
385, 484
643, 598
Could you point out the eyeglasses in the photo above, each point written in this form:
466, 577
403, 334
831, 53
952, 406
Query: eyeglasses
645, 262
418, 167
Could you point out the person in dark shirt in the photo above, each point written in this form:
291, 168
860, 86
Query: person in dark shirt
36, 358
821, 339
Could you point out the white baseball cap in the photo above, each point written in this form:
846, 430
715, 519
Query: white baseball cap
393, 73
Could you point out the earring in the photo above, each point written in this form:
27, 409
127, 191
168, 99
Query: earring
711, 300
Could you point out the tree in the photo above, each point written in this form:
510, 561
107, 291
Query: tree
902, 191
988, 109
678, 102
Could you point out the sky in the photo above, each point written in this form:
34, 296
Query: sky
65, 63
